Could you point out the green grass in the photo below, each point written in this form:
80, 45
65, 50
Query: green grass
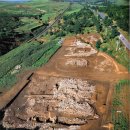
120, 121
28, 56
30, 24
72, 11
33, 6
45, 57
120, 84
48, 16
51, 8
28, 20
17, 50
121, 2
119, 115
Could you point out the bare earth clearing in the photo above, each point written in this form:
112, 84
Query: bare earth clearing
73, 91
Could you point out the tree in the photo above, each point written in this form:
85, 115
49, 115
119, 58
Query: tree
114, 32
98, 43
107, 21
77, 28
98, 27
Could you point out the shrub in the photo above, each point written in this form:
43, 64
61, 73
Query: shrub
98, 43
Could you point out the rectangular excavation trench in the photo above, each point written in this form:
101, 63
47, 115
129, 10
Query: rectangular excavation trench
57, 102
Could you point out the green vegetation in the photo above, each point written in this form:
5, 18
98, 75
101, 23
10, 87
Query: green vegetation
29, 24
120, 14
111, 43
27, 56
119, 86
119, 115
25, 19
85, 21
98, 44
7, 24
21, 21
75, 23
46, 56
118, 53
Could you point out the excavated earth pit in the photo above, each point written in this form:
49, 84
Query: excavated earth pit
51, 102
71, 92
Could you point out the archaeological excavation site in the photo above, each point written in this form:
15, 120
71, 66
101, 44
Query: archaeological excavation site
71, 92
64, 65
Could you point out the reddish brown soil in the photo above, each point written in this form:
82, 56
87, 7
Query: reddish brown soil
102, 71
90, 38
9, 94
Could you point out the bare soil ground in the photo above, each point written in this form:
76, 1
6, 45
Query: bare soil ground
73, 91
8, 95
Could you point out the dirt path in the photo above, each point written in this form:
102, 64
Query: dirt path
73, 91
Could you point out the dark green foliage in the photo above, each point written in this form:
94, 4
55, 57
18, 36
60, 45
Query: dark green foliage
118, 13
7, 24
103, 49
98, 43
122, 24
96, 22
76, 22
60, 34
77, 28
114, 32
109, 52
107, 21
98, 27
8, 35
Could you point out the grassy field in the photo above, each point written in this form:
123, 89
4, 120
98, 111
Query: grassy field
120, 105
34, 54
122, 2
35, 6
27, 56
29, 23
48, 9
